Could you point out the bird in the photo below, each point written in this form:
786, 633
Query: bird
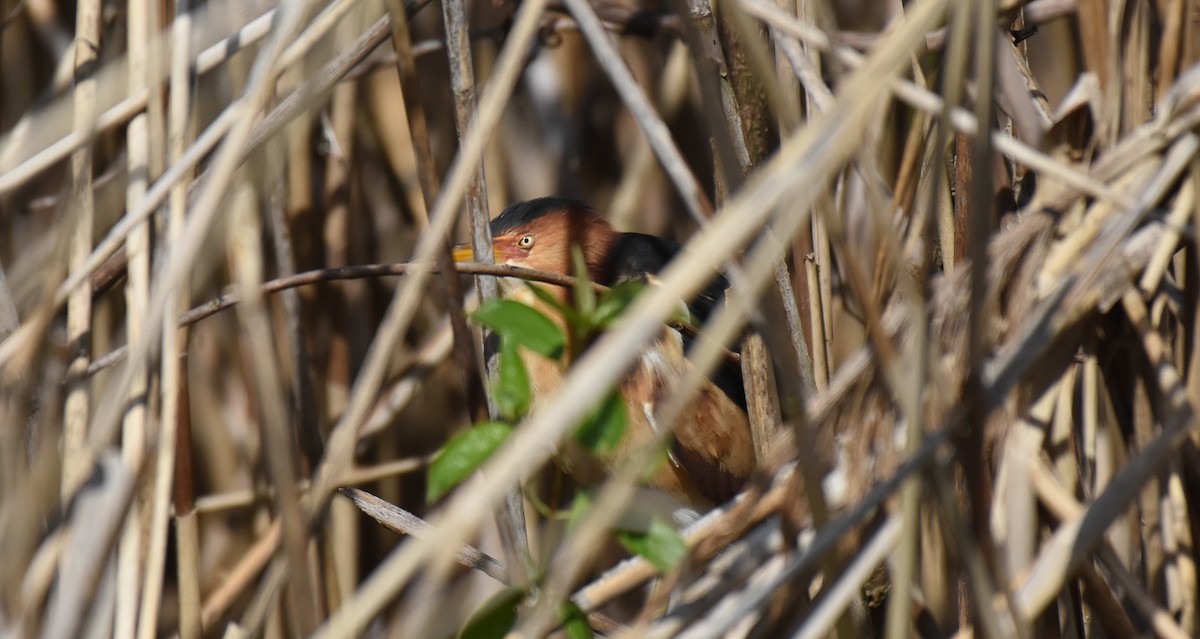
712, 451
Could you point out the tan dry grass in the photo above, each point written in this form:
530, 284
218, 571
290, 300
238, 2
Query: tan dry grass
1023, 367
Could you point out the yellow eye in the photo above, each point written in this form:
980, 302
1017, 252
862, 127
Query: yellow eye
526, 242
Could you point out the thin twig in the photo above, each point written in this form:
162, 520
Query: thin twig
308, 278
399, 520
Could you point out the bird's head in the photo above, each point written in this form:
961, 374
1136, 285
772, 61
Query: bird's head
539, 234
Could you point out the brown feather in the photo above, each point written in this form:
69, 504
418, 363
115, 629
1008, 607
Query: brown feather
712, 454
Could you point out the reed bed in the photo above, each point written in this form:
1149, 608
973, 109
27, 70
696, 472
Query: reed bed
961, 238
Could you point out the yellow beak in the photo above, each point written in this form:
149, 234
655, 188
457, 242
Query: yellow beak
463, 253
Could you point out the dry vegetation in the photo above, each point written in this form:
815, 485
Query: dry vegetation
970, 264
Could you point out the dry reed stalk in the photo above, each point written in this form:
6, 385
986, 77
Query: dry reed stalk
135, 435
1061, 337
174, 472
77, 411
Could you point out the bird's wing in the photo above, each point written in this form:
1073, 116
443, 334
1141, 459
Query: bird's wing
712, 448
639, 256
636, 255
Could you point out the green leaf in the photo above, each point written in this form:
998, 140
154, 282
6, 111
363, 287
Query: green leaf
522, 324
495, 617
660, 545
580, 506
585, 295
511, 391
463, 454
543, 293
615, 300
603, 428
574, 621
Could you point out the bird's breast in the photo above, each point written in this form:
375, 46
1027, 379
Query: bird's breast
712, 452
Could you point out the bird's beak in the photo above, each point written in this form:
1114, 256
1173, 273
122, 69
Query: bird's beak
464, 252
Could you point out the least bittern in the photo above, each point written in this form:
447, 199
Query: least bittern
712, 452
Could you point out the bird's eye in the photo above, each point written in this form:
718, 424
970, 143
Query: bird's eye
526, 242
